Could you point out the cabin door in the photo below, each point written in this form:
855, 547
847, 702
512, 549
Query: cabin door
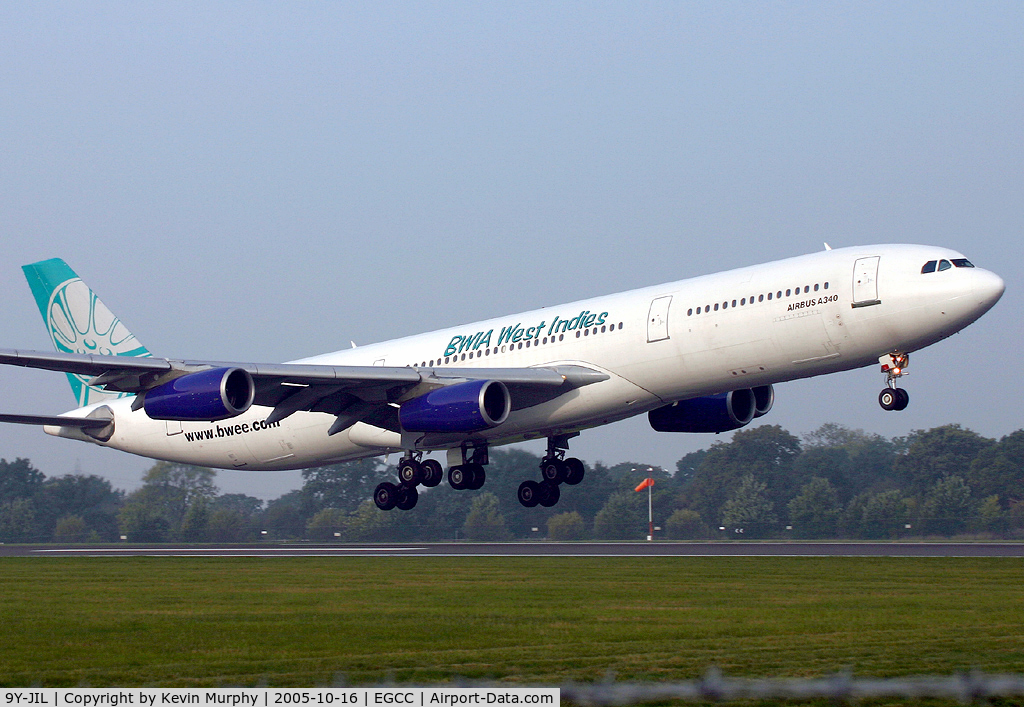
865, 282
657, 319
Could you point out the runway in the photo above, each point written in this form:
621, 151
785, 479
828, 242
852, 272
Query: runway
531, 549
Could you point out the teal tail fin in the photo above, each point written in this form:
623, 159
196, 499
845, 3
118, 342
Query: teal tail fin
78, 322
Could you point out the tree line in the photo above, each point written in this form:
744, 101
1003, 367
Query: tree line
763, 483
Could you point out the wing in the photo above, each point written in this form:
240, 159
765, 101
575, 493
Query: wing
352, 393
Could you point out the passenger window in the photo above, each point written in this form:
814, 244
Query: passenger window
744, 301
769, 296
944, 265
760, 298
787, 293
716, 306
815, 287
963, 263
826, 285
928, 267
734, 303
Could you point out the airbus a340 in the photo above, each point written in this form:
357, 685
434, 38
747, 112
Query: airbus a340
698, 355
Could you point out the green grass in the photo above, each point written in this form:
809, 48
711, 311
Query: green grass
304, 621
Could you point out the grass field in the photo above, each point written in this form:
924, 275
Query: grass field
305, 621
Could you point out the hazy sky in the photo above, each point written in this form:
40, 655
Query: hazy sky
267, 181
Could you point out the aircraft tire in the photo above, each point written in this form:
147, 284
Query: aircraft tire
458, 477
410, 472
385, 496
407, 498
477, 476
529, 493
902, 399
888, 399
549, 494
576, 471
432, 473
554, 470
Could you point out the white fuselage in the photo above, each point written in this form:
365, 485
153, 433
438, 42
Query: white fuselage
838, 309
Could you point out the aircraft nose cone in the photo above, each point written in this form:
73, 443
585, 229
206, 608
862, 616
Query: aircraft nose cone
988, 288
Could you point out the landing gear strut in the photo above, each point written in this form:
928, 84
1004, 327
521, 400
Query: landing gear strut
555, 469
894, 366
411, 473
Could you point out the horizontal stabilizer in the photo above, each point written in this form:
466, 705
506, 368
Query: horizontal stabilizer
56, 420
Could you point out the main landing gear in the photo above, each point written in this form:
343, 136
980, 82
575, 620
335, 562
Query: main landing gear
555, 469
894, 366
411, 473
470, 474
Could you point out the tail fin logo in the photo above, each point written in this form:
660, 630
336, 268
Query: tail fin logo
80, 323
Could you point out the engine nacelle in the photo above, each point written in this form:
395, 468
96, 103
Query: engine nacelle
463, 407
712, 413
764, 398
215, 394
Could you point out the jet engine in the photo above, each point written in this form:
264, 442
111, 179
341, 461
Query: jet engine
214, 394
462, 407
714, 413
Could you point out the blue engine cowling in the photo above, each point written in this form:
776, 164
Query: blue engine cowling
714, 413
463, 407
215, 394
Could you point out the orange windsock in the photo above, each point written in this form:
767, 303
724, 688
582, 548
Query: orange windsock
645, 483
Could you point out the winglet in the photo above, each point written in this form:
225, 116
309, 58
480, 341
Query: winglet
78, 322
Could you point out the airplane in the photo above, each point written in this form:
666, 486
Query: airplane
697, 355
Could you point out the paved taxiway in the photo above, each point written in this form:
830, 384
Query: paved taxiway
530, 549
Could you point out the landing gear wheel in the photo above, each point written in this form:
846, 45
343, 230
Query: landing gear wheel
902, 399
888, 399
549, 494
554, 470
529, 493
459, 478
477, 476
432, 473
410, 472
407, 497
385, 496
575, 471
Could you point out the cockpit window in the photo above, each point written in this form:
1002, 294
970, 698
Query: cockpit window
944, 265
928, 267
962, 263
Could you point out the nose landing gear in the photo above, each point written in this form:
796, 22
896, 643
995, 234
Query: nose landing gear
894, 366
